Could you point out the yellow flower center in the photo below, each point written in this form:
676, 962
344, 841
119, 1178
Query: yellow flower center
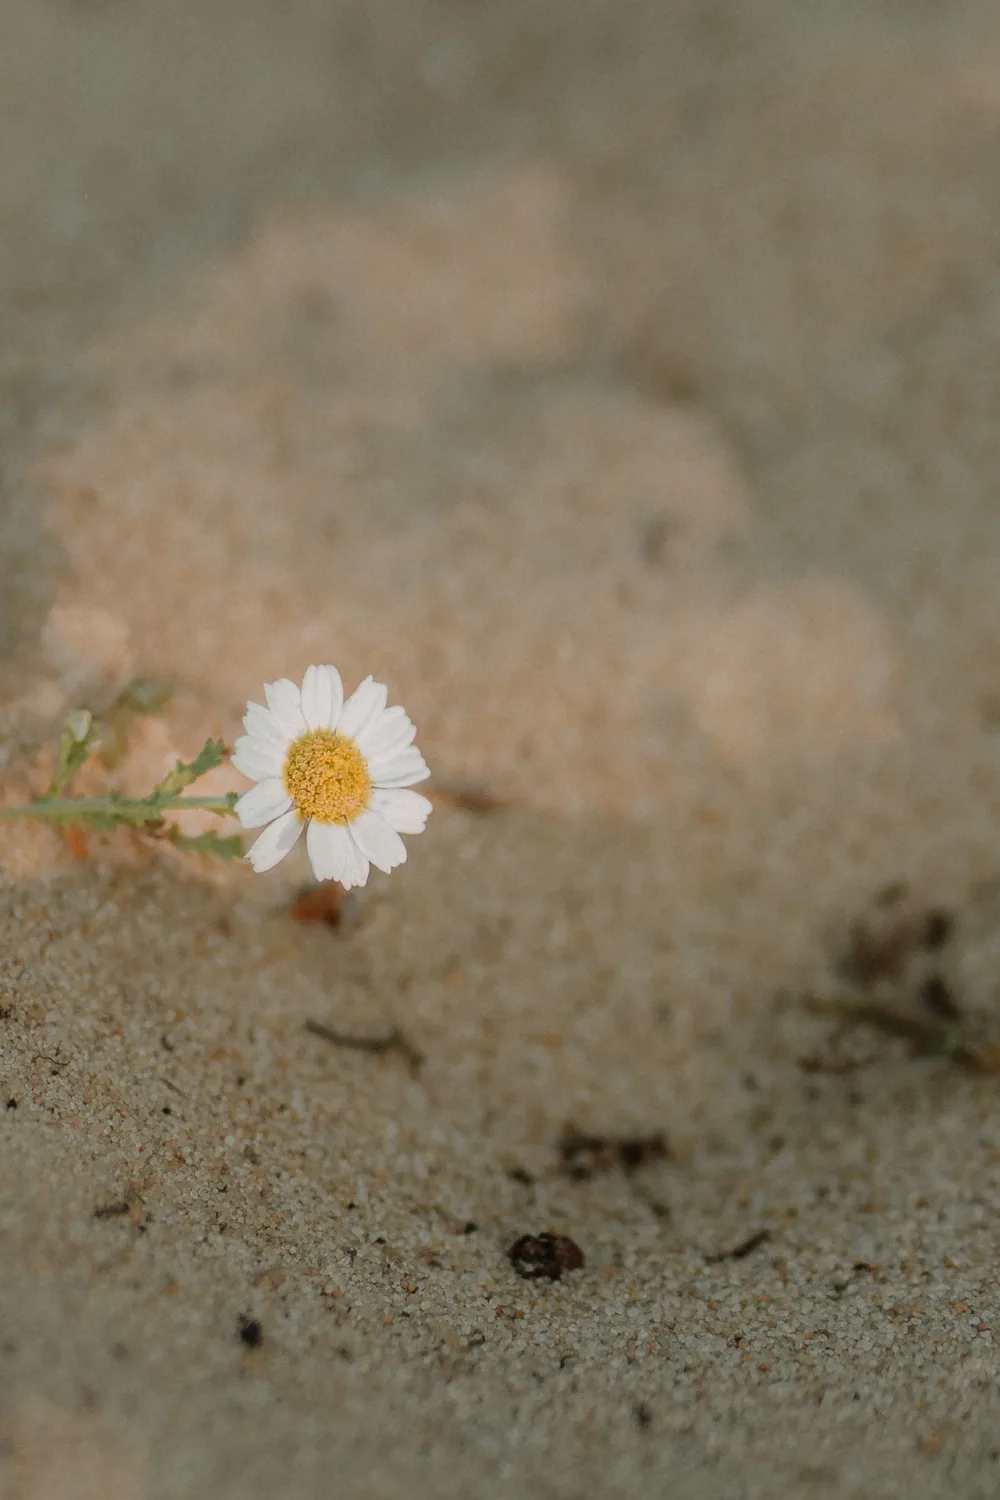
327, 777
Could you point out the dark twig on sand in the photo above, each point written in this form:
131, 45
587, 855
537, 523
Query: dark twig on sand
929, 1038
743, 1249
389, 1041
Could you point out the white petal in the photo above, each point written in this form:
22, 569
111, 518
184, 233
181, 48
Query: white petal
358, 869
377, 841
257, 758
403, 779
322, 697
407, 812
330, 850
261, 723
275, 842
367, 699
403, 768
285, 702
389, 731
267, 800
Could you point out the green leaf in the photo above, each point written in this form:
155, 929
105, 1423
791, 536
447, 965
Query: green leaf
208, 843
117, 812
75, 744
208, 757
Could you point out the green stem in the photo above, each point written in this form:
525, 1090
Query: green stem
131, 810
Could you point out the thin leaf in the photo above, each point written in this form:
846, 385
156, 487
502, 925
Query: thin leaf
208, 757
122, 812
75, 744
207, 843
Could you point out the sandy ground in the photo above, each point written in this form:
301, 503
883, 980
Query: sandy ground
618, 382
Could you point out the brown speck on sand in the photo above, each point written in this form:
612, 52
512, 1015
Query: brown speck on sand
937, 996
545, 1255
883, 942
520, 1175
938, 928
250, 1332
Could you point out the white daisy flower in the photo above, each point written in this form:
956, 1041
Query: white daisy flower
340, 770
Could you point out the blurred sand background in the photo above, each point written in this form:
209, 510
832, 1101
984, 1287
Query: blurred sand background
619, 382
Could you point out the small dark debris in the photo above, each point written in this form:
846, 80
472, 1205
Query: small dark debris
166, 1043
938, 928
642, 1415
11, 1103
251, 1333
6, 1011
521, 1175
470, 1227
937, 997
112, 1210
319, 903
390, 1041
743, 1249
877, 953
166, 1110
545, 1255
582, 1155
881, 944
